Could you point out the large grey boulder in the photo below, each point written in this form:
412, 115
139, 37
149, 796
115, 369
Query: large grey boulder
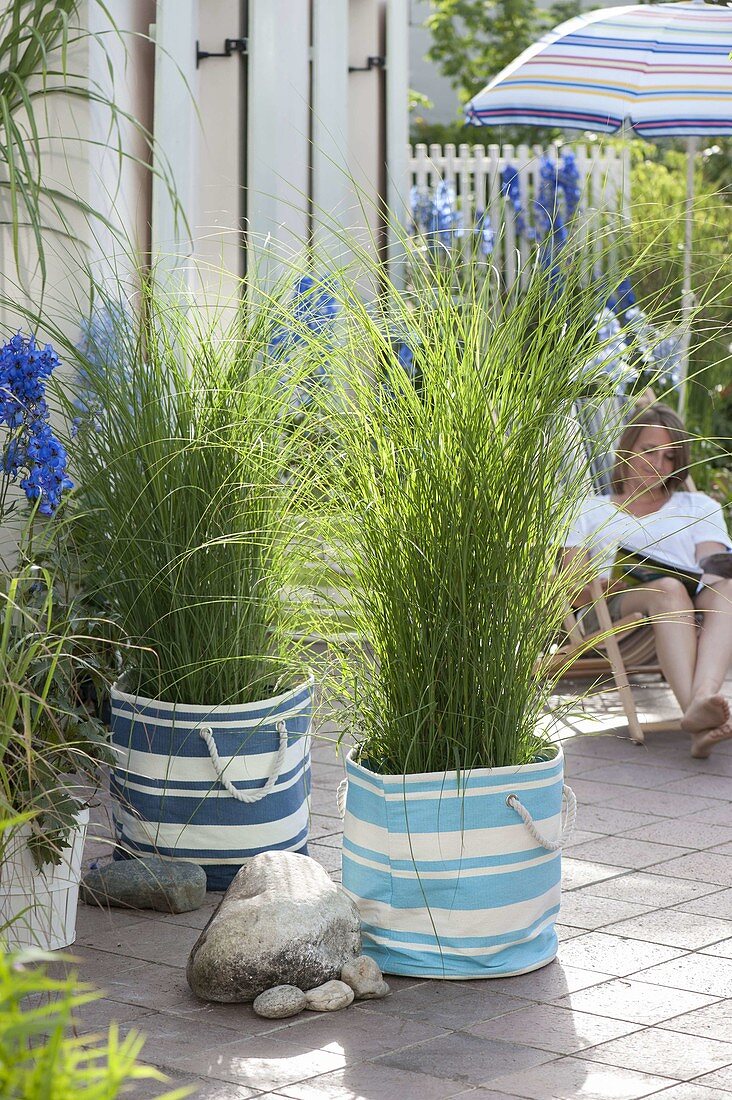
170, 886
281, 922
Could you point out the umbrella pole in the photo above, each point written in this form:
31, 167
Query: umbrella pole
687, 296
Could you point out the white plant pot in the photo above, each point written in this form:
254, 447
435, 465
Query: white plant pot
38, 907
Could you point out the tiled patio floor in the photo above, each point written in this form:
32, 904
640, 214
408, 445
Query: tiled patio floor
638, 1003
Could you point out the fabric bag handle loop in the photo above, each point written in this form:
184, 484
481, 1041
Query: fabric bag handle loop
206, 735
570, 816
341, 797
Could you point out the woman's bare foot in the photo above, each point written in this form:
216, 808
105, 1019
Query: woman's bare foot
703, 742
706, 713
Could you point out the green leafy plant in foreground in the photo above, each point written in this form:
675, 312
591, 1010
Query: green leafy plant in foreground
40, 1056
457, 492
47, 734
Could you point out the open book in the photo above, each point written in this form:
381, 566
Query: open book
637, 567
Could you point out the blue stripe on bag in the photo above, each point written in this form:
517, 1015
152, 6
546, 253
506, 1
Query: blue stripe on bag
170, 816
456, 965
235, 855
485, 910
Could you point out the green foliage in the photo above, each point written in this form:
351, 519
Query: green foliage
658, 190
472, 40
46, 731
452, 519
40, 1056
187, 477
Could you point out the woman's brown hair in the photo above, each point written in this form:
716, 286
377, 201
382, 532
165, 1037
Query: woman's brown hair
653, 416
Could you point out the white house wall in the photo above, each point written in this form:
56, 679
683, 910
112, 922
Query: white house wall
278, 132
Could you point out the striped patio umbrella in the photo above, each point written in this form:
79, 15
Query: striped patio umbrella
662, 69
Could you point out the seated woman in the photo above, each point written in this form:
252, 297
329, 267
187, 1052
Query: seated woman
649, 510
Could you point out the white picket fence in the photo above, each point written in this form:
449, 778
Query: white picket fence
475, 172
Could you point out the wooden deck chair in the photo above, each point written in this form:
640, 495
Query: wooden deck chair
624, 648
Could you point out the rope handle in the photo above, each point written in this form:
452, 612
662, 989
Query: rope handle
206, 735
341, 797
570, 815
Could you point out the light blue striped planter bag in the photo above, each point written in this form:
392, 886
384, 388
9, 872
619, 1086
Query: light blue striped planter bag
457, 883
213, 785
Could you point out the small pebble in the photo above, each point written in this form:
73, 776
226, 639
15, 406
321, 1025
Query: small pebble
329, 997
279, 1002
364, 978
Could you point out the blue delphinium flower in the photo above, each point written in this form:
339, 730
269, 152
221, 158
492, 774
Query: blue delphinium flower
435, 215
484, 232
405, 355
107, 344
30, 447
314, 309
511, 190
622, 299
549, 221
568, 181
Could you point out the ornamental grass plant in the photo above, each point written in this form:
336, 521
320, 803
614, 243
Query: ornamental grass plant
183, 455
458, 480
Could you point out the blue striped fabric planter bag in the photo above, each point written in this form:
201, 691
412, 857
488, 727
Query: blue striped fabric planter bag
213, 785
457, 883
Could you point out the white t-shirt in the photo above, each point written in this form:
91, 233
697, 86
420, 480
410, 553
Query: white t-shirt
673, 532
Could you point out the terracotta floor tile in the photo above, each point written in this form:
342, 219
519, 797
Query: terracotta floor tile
321, 827
724, 848
549, 1027
722, 950
579, 872
635, 1001
581, 909
662, 803
152, 942
447, 1004
566, 932
580, 836
196, 918
614, 954
465, 1058
98, 1015
720, 1079
690, 1090
657, 1051
700, 867
655, 889
649, 773
372, 1081
717, 904
551, 982
577, 1079
328, 857
685, 832
614, 822
711, 1022
592, 792
718, 814
621, 851
263, 1062
203, 1090
668, 926
698, 973
707, 786
361, 1035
